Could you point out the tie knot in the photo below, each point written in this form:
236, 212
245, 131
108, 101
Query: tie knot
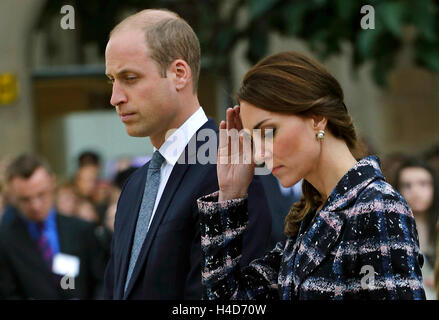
156, 161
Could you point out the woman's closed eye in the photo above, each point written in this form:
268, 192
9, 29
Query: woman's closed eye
268, 133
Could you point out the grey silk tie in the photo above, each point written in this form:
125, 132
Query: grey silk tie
148, 200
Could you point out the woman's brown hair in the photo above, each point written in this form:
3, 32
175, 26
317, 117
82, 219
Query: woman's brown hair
291, 83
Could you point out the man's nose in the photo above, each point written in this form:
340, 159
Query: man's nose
36, 203
118, 95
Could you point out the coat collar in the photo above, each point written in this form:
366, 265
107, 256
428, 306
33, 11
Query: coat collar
353, 183
311, 246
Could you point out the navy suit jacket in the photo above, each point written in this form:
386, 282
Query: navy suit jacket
25, 275
169, 264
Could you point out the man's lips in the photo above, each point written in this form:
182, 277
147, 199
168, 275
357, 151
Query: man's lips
276, 169
126, 116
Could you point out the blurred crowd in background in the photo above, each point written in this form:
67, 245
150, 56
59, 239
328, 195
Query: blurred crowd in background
89, 197
416, 178
85, 195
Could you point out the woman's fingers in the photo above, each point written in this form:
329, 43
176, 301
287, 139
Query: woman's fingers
229, 118
235, 118
222, 136
232, 147
246, 148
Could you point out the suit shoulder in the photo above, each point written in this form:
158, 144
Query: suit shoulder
74, 223
3, 232
6, 228
136, 175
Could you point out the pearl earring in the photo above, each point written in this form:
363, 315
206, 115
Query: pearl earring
320, 135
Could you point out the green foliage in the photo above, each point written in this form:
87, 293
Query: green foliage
323, 24
259, 8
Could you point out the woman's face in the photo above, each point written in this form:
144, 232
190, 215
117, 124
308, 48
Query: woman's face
294, 150
66, 200
416, 186
87, 212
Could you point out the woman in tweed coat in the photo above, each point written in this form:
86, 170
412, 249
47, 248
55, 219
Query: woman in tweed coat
351, 236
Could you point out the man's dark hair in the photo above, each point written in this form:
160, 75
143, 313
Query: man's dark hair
25, 165
88, 158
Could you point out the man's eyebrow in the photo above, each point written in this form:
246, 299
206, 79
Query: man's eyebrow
122, 72
260, 123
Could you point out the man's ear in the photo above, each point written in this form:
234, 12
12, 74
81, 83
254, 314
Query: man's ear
319, 122
11, 193
182, 74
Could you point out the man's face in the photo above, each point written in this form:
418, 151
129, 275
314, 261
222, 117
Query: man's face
144, 100
34, 197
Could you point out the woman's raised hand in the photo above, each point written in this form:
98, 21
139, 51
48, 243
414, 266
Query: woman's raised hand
235, 166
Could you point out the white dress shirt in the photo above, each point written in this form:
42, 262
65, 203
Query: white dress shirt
173, 147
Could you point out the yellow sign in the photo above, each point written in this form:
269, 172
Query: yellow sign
8, 88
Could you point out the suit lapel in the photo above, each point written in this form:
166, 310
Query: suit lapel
175, 178
26, 248
131, 210
63, 232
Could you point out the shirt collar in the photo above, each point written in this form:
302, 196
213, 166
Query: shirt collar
175, 144
49, 223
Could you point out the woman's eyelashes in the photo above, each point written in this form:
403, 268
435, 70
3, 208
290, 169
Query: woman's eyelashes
268, 132
263, 136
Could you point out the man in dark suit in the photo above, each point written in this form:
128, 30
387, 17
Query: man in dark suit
44, 255
153, 61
